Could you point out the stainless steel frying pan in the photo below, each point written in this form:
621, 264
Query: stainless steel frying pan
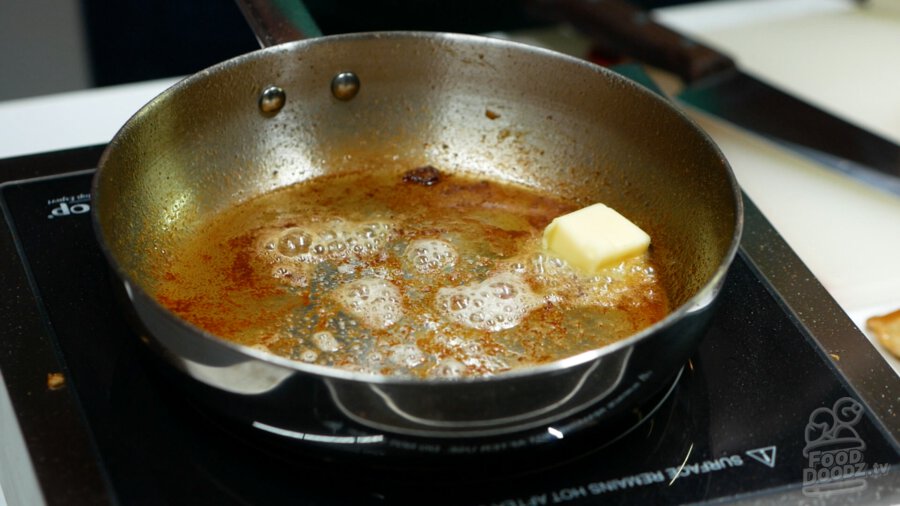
292, 111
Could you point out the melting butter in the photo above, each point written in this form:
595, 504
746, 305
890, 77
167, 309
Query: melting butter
594, 237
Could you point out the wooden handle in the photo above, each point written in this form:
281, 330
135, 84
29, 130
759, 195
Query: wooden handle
617, 25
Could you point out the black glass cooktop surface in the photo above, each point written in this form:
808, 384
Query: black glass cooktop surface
761, 413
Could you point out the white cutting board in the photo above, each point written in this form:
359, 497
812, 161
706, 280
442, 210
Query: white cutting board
838, 55
845, 59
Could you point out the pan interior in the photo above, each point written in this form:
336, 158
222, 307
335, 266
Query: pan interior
463, 104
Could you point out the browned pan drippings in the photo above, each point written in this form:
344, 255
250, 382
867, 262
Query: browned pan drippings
411, 272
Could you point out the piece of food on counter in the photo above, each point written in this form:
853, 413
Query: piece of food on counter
887, 329
55, 380
594, 237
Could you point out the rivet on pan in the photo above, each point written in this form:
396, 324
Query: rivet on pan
271, 100
345, 86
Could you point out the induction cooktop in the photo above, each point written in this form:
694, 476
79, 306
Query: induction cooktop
785, 401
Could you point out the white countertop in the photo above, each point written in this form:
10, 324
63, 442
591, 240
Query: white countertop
831, 52
844, 59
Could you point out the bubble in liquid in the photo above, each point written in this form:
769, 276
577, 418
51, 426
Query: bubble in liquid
429, 255
458, 302
406, 355
448, 368
376, 303
337, 247
287, 275
539, 264
371, 362
360, 291
497, 303
504, 290
308, 355
326, 341
293, 242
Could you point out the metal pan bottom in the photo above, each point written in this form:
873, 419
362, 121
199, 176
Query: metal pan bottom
348, 446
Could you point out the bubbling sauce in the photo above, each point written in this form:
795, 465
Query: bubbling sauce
419, 274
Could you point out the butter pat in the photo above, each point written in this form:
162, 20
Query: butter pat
594, 237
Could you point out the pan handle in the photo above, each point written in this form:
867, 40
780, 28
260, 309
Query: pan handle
278, 21
617, 25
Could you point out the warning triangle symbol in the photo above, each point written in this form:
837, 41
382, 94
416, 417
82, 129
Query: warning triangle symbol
763, 455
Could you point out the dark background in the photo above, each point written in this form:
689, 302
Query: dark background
137, 40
